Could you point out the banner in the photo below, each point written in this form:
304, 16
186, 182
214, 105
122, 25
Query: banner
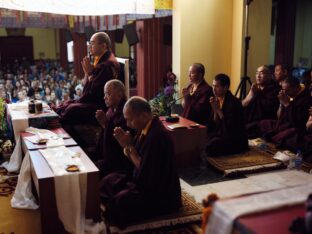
163, 4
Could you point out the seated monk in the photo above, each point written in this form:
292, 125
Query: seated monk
196, 96
301, 140
109, 152
307, 140
261, 101
280, 73
153, 187
292, 114
105, 68
226, 129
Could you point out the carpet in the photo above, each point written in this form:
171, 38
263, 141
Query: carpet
7, 184
189, 213
12, 220
251, 161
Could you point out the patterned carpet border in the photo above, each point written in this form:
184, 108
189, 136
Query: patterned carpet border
7, 184
189, 212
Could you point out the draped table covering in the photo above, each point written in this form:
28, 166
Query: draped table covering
18, 120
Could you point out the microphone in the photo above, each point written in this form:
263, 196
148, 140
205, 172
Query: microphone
90, 58
174, 101
173, 119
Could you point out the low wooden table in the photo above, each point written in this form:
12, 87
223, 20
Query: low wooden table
269, 222
43, 178
189, 141
27, 145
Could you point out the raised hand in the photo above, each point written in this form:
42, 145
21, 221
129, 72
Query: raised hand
283, 98
253, 89
86, 65
214, 104
124, 138
101, 118
185, 92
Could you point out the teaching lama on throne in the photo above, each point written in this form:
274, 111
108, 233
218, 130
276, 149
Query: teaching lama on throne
104, 68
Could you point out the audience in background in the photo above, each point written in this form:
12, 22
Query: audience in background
44, 80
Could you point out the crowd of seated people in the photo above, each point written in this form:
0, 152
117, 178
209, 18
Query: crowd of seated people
44, 80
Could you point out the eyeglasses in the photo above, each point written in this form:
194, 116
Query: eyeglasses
93, 43
261, 73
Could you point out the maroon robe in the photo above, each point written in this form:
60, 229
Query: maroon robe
292, 118
151, 189
227, 136
83, 110
264, 105
306, 147
109, 152
297, 140
197, 106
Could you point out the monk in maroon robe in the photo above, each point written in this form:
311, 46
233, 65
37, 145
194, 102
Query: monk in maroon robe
196, 96
226, 129
281, 71
292, 114
300, 140
306, 143
105, 68
261, 101
109, 151
153, 187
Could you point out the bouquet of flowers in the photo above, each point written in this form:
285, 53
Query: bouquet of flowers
6, 146
161, 104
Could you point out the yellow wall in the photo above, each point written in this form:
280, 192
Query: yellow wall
259, 26
122, 49
211, 32
2, 32
202, 32
237, 44
45, 42
303, 39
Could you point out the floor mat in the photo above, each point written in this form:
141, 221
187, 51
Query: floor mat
251, 161
205, 175
189, 213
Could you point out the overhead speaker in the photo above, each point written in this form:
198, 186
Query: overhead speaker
131, 34
89, 31
68, 36
119, 34
15, 31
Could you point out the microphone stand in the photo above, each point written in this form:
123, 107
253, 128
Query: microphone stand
242, 87
173, 119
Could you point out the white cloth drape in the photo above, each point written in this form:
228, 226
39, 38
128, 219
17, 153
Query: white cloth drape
70, 7
20, 123
23, 197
